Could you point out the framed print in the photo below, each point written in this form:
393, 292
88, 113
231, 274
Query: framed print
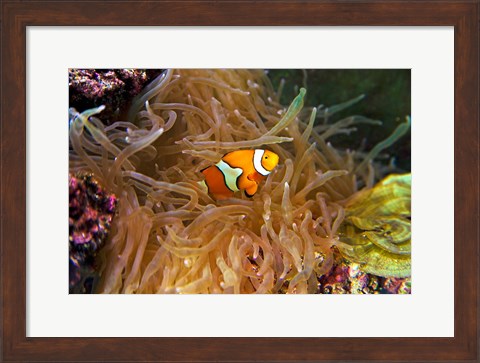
214, 179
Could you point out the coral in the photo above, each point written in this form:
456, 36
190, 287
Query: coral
91, 210
112, 88
169, 236
376, 229
348, 278
392, 285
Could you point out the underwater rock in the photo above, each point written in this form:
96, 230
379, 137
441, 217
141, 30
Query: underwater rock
113, 88
376, 231
91, 210
396, 286
348, 278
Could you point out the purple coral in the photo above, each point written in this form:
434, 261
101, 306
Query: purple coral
113, 88
91, 210
347, 278
396, 286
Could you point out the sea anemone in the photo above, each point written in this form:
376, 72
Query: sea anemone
170, 236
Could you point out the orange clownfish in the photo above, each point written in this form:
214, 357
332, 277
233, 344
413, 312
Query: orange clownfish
238, 170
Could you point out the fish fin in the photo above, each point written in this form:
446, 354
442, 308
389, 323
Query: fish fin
250, 191
256, 177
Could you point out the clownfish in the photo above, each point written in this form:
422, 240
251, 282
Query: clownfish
238, 170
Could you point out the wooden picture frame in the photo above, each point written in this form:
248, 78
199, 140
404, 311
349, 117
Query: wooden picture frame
17, 16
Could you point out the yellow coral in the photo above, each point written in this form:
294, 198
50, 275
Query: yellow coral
376, 228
